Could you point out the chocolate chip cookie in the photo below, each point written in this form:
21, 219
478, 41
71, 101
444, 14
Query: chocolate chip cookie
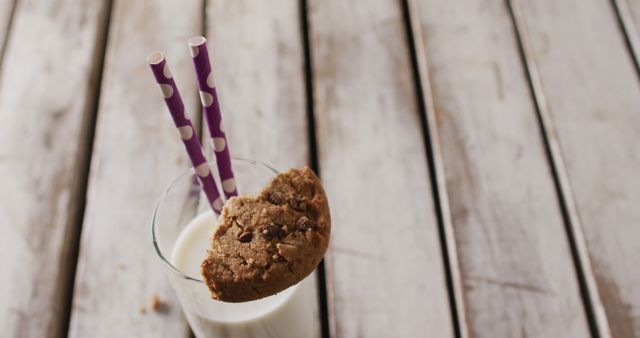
265, 244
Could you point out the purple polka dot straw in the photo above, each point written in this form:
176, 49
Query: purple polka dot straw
188, 135
211, 107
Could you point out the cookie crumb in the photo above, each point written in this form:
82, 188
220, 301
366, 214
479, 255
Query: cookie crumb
156, 303
142, 309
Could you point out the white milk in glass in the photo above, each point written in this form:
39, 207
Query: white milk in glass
290, 313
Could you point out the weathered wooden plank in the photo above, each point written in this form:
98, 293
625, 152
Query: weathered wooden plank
592, 94
136, 153
48, 81
385, 272
257, 56
591, 295
456, 285
515, 259
256, 50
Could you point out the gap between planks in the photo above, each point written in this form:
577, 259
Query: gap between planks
84, 165
436, 169
628, 30
120, 138
593, 305
327, 322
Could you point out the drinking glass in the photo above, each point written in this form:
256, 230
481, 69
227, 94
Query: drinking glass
289, 313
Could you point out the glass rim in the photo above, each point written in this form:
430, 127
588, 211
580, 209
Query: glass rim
165, 192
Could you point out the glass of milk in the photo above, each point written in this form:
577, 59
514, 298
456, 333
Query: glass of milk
182, 226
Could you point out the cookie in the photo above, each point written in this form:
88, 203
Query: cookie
265, 244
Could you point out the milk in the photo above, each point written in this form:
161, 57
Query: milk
289, 313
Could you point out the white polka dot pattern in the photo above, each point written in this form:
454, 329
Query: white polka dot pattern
166, 90
194, 51
185, 132
166, 72
203, 169
184, 127
217, 204
218, 143
206, 99
229, 185
210, 82
211, 111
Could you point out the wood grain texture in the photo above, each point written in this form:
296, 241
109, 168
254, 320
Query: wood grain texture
590, 293
514, 254
592, 94
46, 98
385, 271
137, 152
456, 285
257, 57
42, 157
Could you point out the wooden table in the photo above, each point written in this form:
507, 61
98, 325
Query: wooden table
482, 158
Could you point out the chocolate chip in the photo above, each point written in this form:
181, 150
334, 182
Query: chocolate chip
304, 224
278, 258
297, 203
275, 197
269, 231
245, 237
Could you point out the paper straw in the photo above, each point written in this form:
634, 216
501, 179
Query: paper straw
211, 107
188, 135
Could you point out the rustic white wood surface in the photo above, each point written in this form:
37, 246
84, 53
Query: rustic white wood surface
47, 92
513, 273
385, 270
590, 293
516, 264
257, 57
441, 194
593, 96
137, 152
